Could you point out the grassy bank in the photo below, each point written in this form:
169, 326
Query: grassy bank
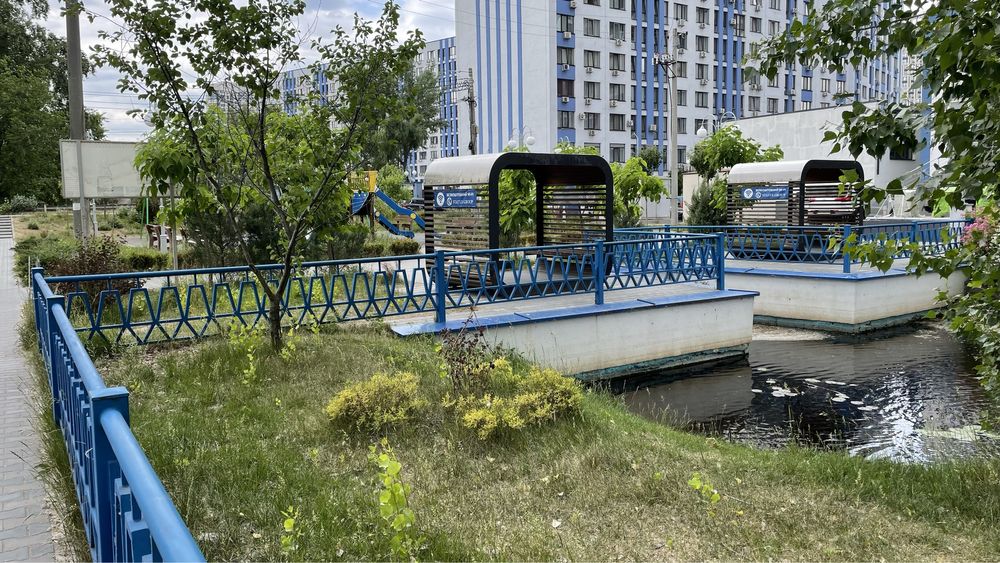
604, 484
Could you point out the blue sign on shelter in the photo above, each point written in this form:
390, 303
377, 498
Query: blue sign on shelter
444, 199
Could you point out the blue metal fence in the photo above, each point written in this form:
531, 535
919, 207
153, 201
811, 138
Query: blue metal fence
127, 513
819, 243
148, 307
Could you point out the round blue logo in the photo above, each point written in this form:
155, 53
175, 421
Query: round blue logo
748, 193
439, 199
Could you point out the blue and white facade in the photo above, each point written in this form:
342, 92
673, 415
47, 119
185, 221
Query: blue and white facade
439, 57
582, 71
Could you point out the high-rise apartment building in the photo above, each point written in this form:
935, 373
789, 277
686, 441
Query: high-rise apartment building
439, 57
582, 71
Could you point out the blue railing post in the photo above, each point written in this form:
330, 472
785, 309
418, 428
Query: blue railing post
104, 467
599, 272
914, 233
720, 261
844, 251
50, 340
440, 288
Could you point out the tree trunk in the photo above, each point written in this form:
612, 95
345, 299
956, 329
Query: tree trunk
274, 322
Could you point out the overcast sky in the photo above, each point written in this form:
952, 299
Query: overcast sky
434, 17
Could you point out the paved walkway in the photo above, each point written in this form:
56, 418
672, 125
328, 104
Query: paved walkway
25, 525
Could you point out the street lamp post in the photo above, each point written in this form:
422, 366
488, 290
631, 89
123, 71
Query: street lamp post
718, 122
666, 62
520, 138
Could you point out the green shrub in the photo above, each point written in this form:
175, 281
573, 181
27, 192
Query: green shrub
144, 259
45, 251
32, 226
403, 247
542, 395
19, 204
379, 402
374, 248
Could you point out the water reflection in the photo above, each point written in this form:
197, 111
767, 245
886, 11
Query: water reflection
907, 394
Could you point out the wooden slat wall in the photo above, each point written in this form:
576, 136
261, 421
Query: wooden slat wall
457, 229
821, 207
572, 214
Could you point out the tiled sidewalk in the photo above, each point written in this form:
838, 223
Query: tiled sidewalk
25, 525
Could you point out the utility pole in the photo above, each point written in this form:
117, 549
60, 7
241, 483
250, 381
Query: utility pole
74, 63
666, 62
470, 98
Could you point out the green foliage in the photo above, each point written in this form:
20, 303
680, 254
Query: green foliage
409, 122
517, 204
290, 533
706, 492
224, 159
632, 184
373, 405
392, 181
708, 204
652, 157
246, 340
144, 259
19, 203
47, 252
727, 147
394, 505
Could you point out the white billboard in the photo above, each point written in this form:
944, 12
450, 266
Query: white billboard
108, 169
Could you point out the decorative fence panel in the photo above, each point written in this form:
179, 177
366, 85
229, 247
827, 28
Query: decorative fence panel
127, 514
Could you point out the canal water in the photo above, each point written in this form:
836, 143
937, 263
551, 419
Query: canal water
907, 394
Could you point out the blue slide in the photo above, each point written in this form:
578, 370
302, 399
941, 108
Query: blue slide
364, 204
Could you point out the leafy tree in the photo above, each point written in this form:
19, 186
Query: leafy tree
652, 157
407, 127
723, 149
632, 184
704, 209
392, 181
955, 44
516, 191
249, 153
33, 102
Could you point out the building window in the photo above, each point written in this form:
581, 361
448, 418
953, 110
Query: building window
701, 43
773, 81
682, 126
754, 104
565, 23
592, 90
755, 25
592, 59
617, 4
564, 56
681, 69
565, 89
591, 121
566, 120
807, 83
901, 154
617, 153
701, 99
616, 60
824, 85
616, 30
682, 41
682, 97
807, 104
841, 87
772, 105
617, 92
682, 154
617, 121
739, 25
701, 15
680, 12
591, 28
775, 4
701, 71
773, 27
592, 2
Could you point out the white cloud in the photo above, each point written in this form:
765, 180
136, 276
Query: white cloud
435, 18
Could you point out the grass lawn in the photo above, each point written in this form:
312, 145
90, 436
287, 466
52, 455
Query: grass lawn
601, 485
59, 223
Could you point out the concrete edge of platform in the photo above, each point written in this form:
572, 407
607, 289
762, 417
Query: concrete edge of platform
690, 360
512, 319
829, 326
852, 277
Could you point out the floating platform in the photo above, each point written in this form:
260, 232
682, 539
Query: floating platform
821, 296
635, 331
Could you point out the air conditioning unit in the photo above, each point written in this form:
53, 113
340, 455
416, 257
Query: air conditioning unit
702, 54
565, 99
614, 103
701, 25
580, 117
755, 86
704, 82
586, 101
590, 69
572, 4
615, 72
592, 132
790, 92
681, 23
681, 51
756, 7
825, 94
652, 128
619, 42
567, 35
565, 66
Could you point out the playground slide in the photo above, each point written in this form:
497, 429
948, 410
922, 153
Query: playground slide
361, 201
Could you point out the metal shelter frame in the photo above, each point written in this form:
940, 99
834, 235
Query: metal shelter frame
549, 169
